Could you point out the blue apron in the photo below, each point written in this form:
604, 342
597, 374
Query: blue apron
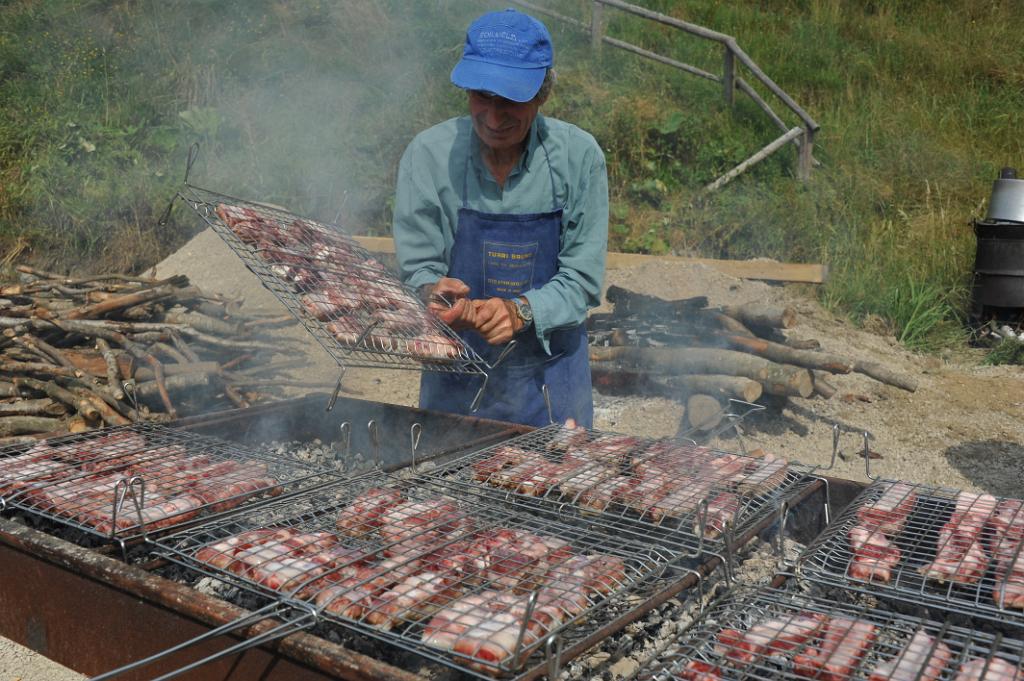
504, 255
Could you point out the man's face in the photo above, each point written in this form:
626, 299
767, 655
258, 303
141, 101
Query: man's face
500, 123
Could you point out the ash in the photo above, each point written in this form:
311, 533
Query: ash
325, 455
622, 654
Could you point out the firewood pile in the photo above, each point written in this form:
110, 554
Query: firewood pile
81, 353
705, 356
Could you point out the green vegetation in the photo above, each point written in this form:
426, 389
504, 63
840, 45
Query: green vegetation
1009, 351
309, 105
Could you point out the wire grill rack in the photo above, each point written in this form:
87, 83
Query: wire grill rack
782, 634
124, 482
350, 302
656, 491
461, 581
926, 545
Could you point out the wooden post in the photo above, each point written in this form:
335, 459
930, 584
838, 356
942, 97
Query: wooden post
729, 76
806, 155
596, 25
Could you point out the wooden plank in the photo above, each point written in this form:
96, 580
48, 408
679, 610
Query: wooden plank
767, 270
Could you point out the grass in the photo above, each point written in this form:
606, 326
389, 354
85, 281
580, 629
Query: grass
1009, 351
309, 104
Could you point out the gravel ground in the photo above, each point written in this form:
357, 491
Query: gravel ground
18, 663
963, 427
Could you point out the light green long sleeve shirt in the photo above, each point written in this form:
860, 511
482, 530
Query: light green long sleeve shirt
429, 195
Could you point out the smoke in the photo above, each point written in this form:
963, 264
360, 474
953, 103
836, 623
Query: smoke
309, 105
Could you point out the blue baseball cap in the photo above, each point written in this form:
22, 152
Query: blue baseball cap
507, 53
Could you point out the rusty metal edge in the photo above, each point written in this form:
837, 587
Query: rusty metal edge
301, 647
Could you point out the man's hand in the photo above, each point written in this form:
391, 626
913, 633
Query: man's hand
448, 302
496, 320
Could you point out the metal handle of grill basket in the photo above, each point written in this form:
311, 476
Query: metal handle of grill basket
296, 622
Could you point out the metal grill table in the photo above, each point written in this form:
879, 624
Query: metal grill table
926, 545
121, 483
663, 492
461, 581
783, 634
352, 304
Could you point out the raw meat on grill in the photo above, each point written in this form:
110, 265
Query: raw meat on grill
398, 322
595, 572
330, 302
567, 437
766, 638
510, 476
994, 669
890, 511
413, 526
501, 457
413, 598
609, 449
1007, 547
509, 559
842, 647
363, 515
874, 556
601, 495
681, 501
721, 512
960, 556
696, 670
767, 476
432, 347
483, 627
584, 478
923, 659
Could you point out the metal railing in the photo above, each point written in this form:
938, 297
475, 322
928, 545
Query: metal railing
801, 135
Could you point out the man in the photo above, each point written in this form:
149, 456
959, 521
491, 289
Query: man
503, 215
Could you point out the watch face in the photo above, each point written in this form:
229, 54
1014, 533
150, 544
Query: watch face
525, 311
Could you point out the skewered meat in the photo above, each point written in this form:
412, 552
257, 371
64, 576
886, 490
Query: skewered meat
923, 659
995, 669
890, 511
842, 647
363, 515
765, 638
874, 556
960, 556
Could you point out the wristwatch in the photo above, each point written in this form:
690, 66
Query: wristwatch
523, 311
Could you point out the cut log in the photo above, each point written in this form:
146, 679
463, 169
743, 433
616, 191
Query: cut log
147, 374
787, 355
40, 407
822, 386
20, 425
703, 412
8, 390
627, 303
82, 406
202, 322
789, 381
95, 310
94, 362
887, 376
150, 390
763, 316
706, 360
717, 385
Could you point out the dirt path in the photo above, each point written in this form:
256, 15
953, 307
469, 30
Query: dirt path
18, 663
963, 427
